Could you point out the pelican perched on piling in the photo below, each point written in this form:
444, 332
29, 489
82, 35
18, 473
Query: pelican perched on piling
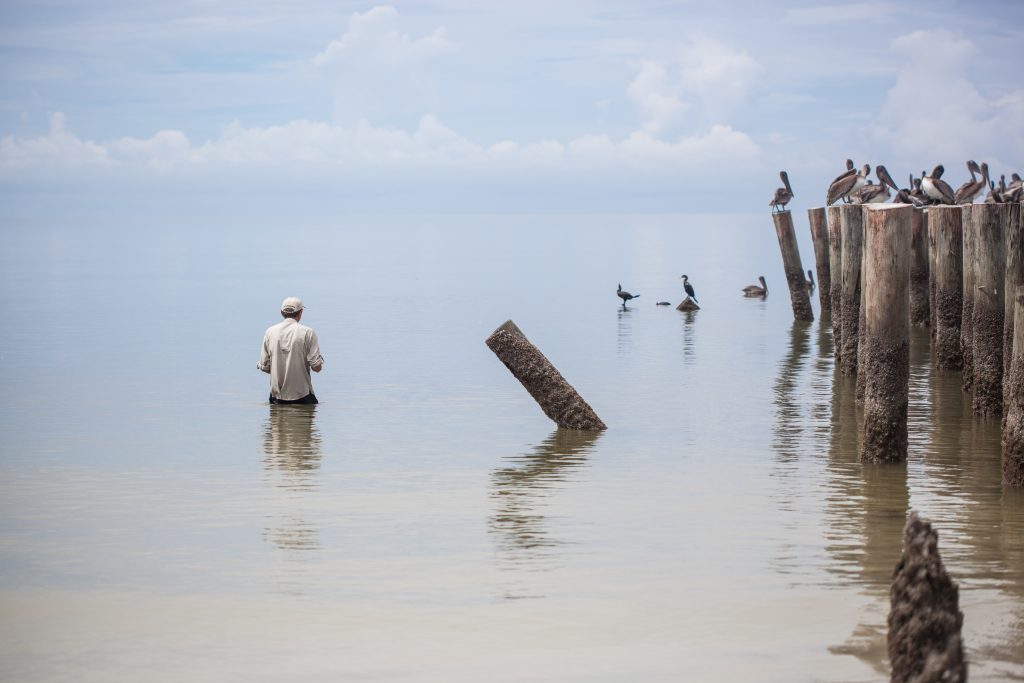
782, 194
876, 194
936, 188
847, 184
625, 296
1014, 192
966, 193
754, 290
689, 288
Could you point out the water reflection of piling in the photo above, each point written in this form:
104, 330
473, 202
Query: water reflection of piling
851, 220
819, 238
519, 492
887, 344
798, 295
920, 309
949, 265
987, 314
835, 264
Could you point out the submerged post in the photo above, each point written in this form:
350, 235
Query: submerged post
1013, 425
819, 237
925, 621
798, 295
949, 296
851, 219
835, 265
987, 319
556, 397
967, 317
919, 270
887, 333
1014, 278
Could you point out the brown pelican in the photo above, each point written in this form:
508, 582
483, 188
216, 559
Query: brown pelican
689, 288
625, 296
847, 184
782, 194
993, 196
810, 281
936, 188
1014, 192
876, 194
754, 290
966, 193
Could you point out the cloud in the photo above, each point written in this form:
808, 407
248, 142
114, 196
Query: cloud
57, 148
934, 111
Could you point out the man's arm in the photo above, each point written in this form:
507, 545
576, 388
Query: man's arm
313, 357
264, 363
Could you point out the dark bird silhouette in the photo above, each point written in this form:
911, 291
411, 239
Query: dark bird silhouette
625, 296
663, 303
810, 281
689, 288
782, 194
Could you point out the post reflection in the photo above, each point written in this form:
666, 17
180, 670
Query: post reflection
291, 447
519, 491
788, 424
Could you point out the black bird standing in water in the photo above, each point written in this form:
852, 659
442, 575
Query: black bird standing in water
625, 296
689, 289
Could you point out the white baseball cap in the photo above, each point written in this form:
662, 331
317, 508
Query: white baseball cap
291, 305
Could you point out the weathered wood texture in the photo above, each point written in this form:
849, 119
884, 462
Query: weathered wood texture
835, 263
887, 332
798, 294
967, 312
925, 622
819, 237
988, 310
949, 297
920, 307
1014, 229
1013, 424
851, 219
556, 397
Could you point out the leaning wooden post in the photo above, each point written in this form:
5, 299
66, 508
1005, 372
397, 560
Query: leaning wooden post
1014, 230
851, 219
835, 265
987, 319
887, 333
967, 317
919, 306
798, 294
556, 397
925, 622
819, 237
1013, 425
949, 295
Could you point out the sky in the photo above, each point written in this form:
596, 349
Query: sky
527, 106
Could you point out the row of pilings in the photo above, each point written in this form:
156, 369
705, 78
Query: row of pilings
957, 269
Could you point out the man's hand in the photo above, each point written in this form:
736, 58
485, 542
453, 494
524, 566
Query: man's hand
316, 368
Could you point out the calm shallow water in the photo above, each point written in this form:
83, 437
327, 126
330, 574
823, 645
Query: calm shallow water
160, 522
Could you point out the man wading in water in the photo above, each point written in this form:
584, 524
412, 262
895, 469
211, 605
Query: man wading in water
290, 351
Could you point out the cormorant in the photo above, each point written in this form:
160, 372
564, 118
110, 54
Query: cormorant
625, 296
689, 288
754, 290
782, 194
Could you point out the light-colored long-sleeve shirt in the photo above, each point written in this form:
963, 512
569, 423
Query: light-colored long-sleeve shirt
289, 351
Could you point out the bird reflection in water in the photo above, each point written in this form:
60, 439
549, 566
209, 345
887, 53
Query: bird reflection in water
520, 492
291, 446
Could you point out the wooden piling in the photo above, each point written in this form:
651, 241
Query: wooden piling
925, 622
553, 393
932, 241
949, 298
887, 332
1014, 229
851, 220
819, 237
988, 310
967, 312
919, 290
861, 327
835, 264
798, 294
1013, 424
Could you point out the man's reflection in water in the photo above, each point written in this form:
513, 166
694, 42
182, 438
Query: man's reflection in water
291, 446
520, 491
